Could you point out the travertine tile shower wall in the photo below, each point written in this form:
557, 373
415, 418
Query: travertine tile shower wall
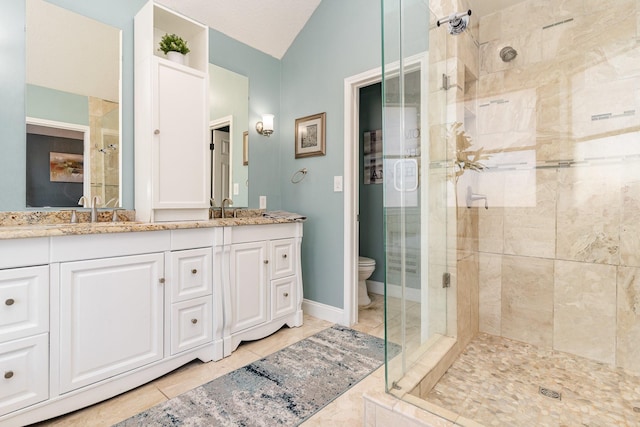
559, 246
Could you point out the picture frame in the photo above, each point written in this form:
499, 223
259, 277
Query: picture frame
245, 148
66, 167
310, 136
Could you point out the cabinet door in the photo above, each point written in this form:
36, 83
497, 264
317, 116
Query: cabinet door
24, 302
249, 293
191, 274
282, 258
283, 299
181, 167
111, 317
24, 366
191, 324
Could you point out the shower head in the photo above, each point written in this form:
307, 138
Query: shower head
457, 22
508, 53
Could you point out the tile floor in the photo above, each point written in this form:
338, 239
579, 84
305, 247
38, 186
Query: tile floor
496, 382
347, 410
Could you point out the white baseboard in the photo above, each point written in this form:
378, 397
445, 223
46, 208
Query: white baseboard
394, 291
323, 311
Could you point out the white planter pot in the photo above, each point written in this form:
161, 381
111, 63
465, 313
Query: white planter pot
177, 57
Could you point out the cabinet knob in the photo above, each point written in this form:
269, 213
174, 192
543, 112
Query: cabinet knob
194, 321
194, 271
156, 132
286, 294
161, 280
8, 375
284, 255
10, 301
266, 261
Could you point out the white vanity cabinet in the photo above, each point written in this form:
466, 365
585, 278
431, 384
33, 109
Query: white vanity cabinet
264, 284
111, 317
171, 120
24, 338
191, 303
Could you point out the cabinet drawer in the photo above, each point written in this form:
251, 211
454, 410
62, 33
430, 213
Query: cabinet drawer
282, 297
24, 302
282, 258
24, 372
191, 274
191, 324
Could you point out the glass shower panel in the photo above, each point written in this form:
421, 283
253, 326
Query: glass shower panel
415, 189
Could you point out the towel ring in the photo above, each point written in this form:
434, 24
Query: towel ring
298, 175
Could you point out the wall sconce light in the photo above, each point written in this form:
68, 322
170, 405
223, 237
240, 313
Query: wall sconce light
265, 127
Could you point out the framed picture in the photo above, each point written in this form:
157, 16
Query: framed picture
245, 148
66, 167
310, 136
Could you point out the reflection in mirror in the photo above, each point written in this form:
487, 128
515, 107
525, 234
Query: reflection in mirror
229, 119
73, 108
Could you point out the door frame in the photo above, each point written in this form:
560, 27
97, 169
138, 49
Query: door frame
352, 86
213, 125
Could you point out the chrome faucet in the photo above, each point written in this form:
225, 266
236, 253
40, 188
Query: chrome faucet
93, 205
222, 205
212, 205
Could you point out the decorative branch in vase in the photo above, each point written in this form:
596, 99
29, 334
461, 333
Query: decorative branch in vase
465, 158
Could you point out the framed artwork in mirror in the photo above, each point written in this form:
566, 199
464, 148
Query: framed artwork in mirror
245, 148
310, 136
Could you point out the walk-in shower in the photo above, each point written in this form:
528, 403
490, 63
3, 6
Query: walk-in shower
523, 310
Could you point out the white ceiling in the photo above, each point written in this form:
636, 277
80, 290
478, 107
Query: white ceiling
267, 25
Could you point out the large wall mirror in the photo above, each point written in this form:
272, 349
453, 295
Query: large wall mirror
73, 115
229, 126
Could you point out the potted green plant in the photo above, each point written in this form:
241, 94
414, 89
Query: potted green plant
175, 47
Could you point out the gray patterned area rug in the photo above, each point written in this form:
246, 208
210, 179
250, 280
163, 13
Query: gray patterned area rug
284, 388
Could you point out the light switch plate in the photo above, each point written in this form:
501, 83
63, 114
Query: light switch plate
337, 184
263, 202
236, 189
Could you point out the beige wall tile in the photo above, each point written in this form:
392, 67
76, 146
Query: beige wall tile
585, 310
490, 283
527, 300
467, 297
630, 222
628, 319
589, 214
491, 230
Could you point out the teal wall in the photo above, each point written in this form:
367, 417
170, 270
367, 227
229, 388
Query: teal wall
341, 39
372, 238
12, 125
51, 104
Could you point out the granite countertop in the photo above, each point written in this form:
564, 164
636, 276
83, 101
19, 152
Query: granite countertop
45, 224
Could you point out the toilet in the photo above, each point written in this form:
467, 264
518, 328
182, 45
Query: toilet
366, 266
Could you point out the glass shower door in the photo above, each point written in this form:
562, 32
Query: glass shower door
415, 189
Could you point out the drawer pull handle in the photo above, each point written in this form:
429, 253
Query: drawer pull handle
284, 255
194, 271
161, 280
156, 132
8, 375
10, 301
194, 321
266, 261
286, 294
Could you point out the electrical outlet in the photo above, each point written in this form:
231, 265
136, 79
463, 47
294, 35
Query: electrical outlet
236, 189
263, 202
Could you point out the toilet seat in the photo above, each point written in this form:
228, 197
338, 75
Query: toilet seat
365, 262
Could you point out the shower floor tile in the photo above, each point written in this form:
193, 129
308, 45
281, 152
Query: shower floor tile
496, 382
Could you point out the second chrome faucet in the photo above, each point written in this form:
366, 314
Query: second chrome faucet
93, 204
